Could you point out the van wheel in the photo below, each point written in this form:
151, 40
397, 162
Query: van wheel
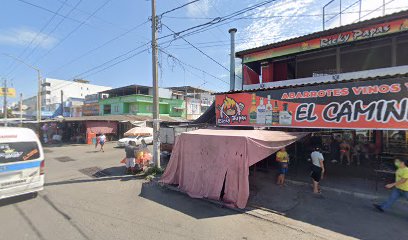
34, 195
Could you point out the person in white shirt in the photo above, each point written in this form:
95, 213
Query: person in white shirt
317, 169
102, 140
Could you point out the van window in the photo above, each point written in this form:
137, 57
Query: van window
18, 151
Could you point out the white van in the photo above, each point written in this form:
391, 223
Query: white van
21, 162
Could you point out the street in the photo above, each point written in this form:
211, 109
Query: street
112, 206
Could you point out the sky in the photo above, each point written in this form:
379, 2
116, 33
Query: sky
106, 41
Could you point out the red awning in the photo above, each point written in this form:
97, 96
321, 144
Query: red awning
101, 127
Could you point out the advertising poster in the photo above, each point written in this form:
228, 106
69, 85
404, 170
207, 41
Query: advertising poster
372, 104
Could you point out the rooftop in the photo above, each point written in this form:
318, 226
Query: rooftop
128, 90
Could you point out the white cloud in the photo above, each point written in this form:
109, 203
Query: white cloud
292, 18
276, 22
23, 37
200, 8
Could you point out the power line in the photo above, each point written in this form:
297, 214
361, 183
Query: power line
189, 65
48, 10
12, 65
52, 31
95, 17
111, 60
205, 54
99, 47
75, 29
177, 8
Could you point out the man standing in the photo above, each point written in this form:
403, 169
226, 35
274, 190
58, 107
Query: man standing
130, 149
282, 157
400, 186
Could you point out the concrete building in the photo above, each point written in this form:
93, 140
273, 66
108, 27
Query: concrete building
138, 100
56, 91
197, 100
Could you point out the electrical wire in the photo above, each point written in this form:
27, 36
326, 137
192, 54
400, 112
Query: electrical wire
177, 8
189, 65
98, 47
75, 29
48, 10
111, 60
52, 31
12, 65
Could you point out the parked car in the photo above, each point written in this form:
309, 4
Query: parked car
138, 139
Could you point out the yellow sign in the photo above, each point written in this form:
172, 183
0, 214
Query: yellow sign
11, 92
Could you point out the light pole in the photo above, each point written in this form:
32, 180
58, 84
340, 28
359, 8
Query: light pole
39, 92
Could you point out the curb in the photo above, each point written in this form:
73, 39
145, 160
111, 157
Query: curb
367, 196
271, 216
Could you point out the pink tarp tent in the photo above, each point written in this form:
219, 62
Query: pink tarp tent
202, 159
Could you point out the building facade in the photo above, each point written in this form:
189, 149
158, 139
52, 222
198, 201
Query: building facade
135, 100
347, 85
60, 96
197, 100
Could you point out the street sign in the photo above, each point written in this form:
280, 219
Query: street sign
11, 92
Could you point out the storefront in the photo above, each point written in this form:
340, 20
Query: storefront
366, 117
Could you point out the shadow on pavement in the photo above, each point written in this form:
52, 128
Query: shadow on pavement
102, 179
180, 202
17, 199
341, 213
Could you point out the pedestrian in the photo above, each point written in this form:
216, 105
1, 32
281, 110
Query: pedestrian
317, 169
357, 149
282, 157
130, 149
102, 140
96, 142
345, 152
400, 186
334, 149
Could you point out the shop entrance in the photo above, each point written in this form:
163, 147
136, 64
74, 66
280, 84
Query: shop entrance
355, 160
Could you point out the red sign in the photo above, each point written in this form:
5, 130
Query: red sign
374, 104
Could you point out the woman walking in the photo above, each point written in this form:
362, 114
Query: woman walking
317, 169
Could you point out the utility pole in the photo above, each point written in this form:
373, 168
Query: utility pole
21, 109
62, 103
39, 96
156, 117
5, 92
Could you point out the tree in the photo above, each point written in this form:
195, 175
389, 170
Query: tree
9, 114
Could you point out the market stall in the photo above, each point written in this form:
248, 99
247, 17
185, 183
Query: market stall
203, 159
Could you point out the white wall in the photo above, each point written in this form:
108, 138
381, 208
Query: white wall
71, 90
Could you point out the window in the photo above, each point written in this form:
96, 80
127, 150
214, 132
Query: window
106, 109
18, 151
134, 108
149, 108
366, 56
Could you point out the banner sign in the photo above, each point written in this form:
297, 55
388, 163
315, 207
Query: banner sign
372, 104
327, 41
11, 92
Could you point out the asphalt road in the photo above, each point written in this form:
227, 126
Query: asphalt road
78, 206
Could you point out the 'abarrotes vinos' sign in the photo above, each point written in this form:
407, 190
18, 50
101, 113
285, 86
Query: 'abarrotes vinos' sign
373, 104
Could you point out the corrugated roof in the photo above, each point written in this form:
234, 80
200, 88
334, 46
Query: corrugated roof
328, 32
118, 118
315, 84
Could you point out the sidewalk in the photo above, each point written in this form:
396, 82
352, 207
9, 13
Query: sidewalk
339, 211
